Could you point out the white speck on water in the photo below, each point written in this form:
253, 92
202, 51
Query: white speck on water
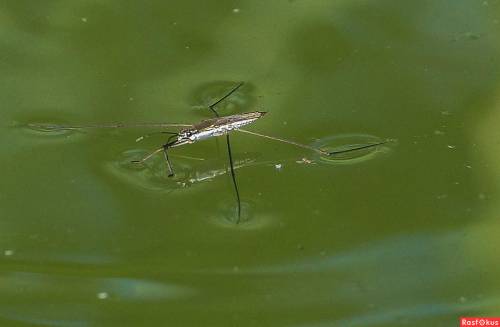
278, 166
462, 299
445, 113
442, 196
8, 253
174, 23
84, 19
285, 123
187, 47
236, 10
438, 132
130, 99
305, 161
468, 166
481, 196
451, 146
102, 295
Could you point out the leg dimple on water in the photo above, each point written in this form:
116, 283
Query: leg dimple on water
353, 148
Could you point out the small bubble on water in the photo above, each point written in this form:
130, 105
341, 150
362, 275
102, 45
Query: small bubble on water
102, 295
472, 36
8, 253
84, 19
452, 146
236, 10
278, 166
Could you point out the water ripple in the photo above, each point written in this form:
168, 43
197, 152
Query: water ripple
82, 295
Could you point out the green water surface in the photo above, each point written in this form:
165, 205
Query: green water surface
404, 234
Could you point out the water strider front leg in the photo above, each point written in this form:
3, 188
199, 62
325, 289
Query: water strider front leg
169, 164
170, 143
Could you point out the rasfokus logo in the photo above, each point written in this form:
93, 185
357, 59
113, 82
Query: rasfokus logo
479, 321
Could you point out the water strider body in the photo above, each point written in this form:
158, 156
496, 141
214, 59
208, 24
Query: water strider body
215, 127
205, 129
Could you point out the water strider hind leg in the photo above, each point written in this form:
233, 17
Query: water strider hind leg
320, 151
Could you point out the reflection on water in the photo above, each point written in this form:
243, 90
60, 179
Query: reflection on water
48, 129
362, 278
153, 174
76, 295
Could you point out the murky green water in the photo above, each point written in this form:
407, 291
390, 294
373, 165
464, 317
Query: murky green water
403, 235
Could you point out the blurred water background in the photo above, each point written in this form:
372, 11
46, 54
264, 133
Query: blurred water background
406, 234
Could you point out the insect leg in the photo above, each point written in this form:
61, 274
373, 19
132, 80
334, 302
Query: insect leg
300, 145
228, 142
234, 89
50, 127
360, 147
169, 164
147, 156
323, 152
154, 133
233, 177
165, 147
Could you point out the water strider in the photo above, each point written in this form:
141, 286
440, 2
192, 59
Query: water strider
205, 129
